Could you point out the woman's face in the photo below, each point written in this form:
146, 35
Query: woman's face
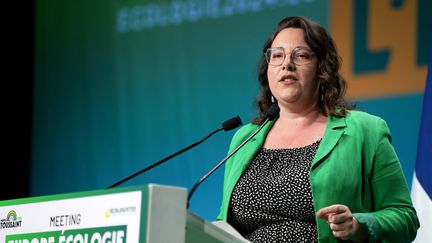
292, 83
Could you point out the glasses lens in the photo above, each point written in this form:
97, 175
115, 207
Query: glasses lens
301, 56
275, 57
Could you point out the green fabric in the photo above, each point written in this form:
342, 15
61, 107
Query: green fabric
355, 165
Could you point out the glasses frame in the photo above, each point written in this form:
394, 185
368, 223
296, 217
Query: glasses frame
293, 57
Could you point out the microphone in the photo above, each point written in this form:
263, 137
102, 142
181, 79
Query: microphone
226, 126
270, 115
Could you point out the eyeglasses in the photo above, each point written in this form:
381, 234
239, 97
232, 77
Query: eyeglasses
299, 56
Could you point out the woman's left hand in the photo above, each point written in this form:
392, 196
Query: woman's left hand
342, 223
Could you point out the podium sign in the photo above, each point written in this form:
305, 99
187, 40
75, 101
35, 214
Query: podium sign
150, 213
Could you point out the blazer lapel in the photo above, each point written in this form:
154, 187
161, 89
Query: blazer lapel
334, 131
251, 148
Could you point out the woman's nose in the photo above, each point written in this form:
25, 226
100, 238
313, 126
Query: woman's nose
288, 63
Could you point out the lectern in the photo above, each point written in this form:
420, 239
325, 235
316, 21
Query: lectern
149, 213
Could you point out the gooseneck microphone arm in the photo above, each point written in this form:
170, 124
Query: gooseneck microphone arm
226, 125
271, 114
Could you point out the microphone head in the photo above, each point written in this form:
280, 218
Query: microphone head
272, 112
231, 123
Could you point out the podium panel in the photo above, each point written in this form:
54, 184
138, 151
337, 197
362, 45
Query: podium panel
135, 214
142, 214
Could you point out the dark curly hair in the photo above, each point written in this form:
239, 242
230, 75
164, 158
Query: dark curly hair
333, 86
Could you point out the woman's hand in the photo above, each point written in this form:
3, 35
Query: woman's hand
342, 223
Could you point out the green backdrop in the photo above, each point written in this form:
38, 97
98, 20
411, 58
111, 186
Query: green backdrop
120, 84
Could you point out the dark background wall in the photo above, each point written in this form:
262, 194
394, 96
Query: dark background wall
17, 101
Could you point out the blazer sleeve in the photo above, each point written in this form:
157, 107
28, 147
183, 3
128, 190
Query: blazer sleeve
394, 218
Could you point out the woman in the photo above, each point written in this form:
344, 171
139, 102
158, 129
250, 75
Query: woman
321, 172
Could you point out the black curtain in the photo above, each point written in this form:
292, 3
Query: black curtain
17, 92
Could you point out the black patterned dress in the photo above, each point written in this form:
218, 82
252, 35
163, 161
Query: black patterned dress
272, 201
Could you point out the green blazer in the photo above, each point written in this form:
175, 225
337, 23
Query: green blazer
355, 165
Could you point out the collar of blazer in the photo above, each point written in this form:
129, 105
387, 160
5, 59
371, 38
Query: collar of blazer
334, 131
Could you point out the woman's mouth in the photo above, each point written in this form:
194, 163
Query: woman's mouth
288, 78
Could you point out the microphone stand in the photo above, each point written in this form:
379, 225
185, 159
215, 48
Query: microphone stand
271, 114
222, 162
163, 160
227, 125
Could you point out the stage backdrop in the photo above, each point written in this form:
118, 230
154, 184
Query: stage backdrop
122, 84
